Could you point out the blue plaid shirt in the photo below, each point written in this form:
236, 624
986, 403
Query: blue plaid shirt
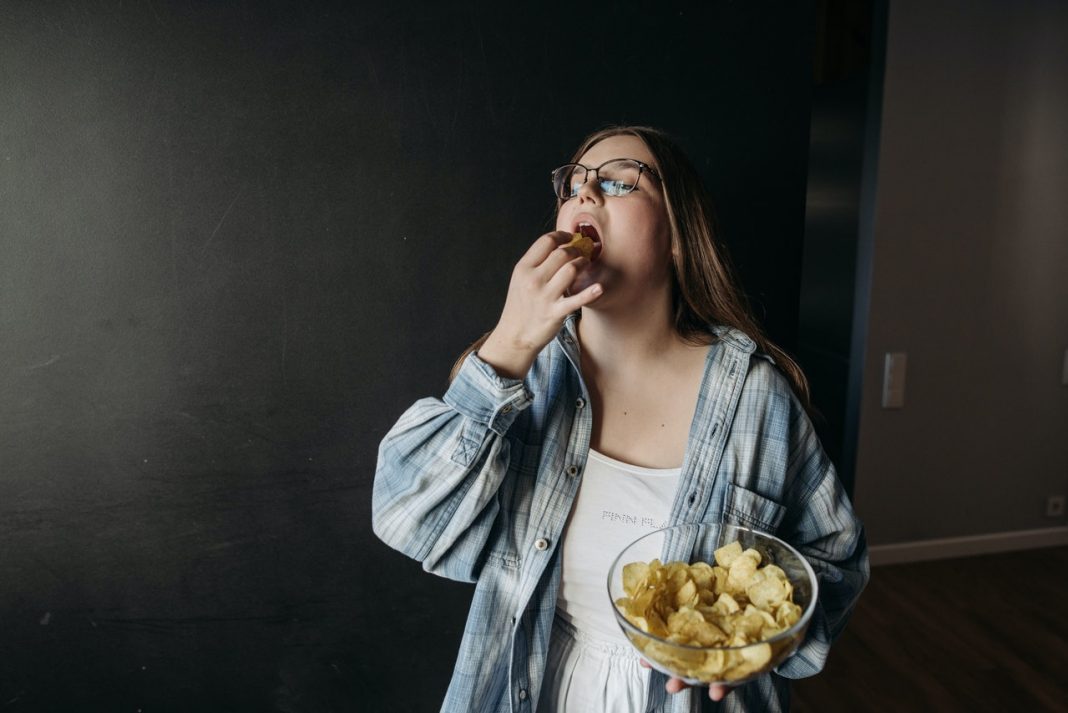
478, 486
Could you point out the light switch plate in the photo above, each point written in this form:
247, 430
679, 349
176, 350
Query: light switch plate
894, 380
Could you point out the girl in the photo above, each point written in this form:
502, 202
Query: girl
616, 394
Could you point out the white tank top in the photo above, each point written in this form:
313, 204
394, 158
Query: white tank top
616, 504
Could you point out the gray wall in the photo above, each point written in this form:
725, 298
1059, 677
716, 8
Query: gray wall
970, 255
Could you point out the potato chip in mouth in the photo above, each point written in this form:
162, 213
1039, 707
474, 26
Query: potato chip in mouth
583, 244
586, 241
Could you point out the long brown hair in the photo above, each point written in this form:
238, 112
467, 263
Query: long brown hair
705, 292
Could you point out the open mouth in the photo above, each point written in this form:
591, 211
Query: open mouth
590, 232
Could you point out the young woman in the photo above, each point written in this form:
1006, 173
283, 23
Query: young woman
616, 394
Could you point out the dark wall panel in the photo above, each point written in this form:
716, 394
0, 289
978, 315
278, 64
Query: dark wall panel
237, 239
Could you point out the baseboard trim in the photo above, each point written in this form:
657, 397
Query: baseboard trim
944, 548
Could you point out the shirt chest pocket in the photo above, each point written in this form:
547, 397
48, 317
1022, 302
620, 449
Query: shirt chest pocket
750, 509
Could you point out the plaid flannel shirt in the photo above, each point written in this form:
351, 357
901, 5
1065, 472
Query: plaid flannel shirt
478, 487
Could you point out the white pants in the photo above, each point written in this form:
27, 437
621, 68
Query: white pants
588, 675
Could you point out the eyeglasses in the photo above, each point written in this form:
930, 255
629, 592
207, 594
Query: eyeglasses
616, 177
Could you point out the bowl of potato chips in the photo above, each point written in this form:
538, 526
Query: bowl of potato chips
732, 610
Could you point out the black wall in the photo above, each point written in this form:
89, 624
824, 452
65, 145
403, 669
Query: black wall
236, 241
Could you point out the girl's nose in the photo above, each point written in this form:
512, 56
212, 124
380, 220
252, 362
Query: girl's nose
591, 189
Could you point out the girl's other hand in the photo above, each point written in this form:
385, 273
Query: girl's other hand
716, 691
536, 305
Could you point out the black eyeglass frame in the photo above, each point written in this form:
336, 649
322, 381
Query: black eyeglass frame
642, 168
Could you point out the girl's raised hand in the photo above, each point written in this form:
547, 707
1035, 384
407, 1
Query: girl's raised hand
536, 305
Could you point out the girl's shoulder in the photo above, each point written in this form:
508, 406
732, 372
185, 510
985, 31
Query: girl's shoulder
762, 368
764, 384
733, 338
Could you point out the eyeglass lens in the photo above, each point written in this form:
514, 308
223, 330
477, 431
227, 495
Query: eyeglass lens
616, 178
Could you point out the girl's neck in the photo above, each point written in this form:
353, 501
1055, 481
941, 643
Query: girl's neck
637, 335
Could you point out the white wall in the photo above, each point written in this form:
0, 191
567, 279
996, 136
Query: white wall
970, 272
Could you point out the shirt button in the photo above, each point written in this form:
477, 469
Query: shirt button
579, 403
522, 694
572, 471
541, 544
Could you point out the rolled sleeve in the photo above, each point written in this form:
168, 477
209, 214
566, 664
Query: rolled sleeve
485, 397
826, 530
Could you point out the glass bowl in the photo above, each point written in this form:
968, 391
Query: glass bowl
703, 665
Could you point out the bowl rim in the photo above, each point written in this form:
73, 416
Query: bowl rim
798, 627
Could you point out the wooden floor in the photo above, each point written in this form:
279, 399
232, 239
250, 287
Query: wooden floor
985, 633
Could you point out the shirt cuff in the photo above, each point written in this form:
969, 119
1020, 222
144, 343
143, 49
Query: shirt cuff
484, 396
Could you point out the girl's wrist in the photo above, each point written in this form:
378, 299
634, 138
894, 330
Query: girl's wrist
509, 360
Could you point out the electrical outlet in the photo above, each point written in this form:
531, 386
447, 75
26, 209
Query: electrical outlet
1055, 506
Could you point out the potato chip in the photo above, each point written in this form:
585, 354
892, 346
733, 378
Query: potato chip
635, 575
728, 553
742, 568
767, 594
703, 575
721, 574
715, 662
787, 614
757, 655
687, 594
772, 570
726, 604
